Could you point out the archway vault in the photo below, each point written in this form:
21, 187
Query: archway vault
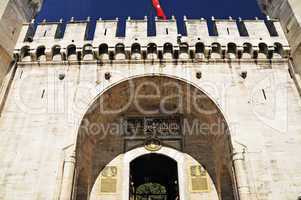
204, 131
173, 175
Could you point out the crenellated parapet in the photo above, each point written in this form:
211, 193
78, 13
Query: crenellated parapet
231, 39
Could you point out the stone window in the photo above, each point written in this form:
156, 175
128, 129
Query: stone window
103, 49
152, 48
232, 48
167, 48
71, 50
136, 48
184, 48
40, 51
199, 47
120, 48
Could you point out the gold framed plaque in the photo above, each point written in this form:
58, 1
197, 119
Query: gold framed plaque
109, 179
199, 179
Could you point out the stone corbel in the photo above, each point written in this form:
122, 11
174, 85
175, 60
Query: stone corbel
207, 51
48, 53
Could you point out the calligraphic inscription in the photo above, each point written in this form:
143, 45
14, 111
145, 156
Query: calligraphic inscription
199, 179
162, 127
109, 180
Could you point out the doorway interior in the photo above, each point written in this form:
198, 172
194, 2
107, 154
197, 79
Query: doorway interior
154, 177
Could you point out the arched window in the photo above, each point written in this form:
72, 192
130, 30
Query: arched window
167, 48
71, 50
247, 48
103, 49
184, 48
120, 48
136, 48
263, 49
199, 47
216, 48
40, 52
87, 49
56, 50
151, 48
152, 51
136, 51
247, 51
88, 52
232, 48
25, 53
120, 51
278, 49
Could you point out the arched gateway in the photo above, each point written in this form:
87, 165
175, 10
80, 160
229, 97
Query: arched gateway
154, 130
74, 109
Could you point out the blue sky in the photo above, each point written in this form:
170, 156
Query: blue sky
53, 10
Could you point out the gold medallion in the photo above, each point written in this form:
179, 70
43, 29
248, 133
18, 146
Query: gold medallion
153, 145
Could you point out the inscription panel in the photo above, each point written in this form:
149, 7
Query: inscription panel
199, 179
160, 127
167, 129
109, 180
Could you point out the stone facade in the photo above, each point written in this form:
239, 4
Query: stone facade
289, 14
53, 146
13, 13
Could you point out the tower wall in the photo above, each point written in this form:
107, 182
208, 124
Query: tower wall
288, 12
246, 76
12, 15
227, 31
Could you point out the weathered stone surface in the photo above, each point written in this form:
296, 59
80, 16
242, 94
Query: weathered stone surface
289, 14
58, 100
13, 13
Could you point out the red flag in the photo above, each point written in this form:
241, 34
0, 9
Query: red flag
159, 10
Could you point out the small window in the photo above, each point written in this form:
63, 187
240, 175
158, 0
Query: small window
263, 48
56, 50
105, 33
103, 49
184, 48
166, 31
152, 48
199, 47
136, 48
120, 48
216, 48
278, 48
25, 51
247, 48
40, 51
71, 50
232, 48
88, 49
167, 48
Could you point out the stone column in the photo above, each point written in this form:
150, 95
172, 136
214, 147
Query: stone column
68, 177
241, 175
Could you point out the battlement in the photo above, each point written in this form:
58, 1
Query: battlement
233, 39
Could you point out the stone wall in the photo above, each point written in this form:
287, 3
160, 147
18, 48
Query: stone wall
13, 14
42, 112
289, 14
54, 89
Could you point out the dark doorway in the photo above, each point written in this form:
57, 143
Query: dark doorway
154, 177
